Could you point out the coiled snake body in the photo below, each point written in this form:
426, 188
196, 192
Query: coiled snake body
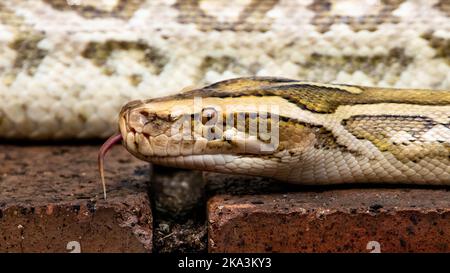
67, 66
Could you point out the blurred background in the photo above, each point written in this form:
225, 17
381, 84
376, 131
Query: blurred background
67, 66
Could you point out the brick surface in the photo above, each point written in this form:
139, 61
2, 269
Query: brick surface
334, 220
51, 201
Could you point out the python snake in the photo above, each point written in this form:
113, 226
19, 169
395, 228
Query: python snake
296, 131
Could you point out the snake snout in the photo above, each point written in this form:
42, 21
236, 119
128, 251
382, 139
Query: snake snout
146, 132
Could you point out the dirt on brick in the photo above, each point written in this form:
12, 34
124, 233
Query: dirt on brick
331, 219
51, 200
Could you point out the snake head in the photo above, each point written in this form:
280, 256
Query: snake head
219, 128
172, 128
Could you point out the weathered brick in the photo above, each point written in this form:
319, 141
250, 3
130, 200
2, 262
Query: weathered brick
51, 196
333, 220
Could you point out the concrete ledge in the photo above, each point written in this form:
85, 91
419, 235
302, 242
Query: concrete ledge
339, 220
51, 201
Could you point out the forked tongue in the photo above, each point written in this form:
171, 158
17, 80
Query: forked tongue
101, 156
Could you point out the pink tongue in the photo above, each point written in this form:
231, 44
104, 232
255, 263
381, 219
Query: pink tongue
101, 157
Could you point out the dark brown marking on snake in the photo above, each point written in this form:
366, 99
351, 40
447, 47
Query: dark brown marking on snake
220, 64
395, 60
10, 17
150, 57
29, 55
325, 139
251, 18
444, 6
324, 19
135, 79
403, 136
124, 9
440, 45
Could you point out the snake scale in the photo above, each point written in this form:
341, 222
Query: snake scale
68, 66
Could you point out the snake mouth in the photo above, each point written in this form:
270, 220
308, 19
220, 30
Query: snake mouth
150, 148
201, 154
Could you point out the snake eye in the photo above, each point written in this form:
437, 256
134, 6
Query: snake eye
208, 114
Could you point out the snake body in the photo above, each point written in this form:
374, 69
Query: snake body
312, 133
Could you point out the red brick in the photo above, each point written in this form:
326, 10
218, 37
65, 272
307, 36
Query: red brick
338, 220
51, 195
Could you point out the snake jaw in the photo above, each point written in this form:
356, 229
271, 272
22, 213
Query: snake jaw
101, 157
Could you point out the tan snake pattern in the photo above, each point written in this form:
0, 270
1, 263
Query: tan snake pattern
67, 66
